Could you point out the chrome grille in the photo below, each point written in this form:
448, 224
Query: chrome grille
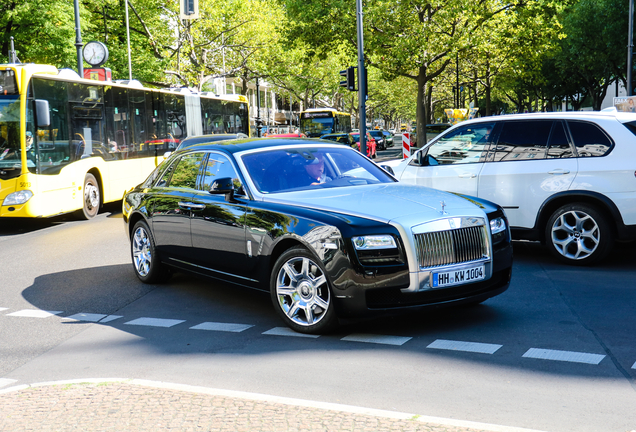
456, 246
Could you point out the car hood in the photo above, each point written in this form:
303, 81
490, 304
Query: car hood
383, 202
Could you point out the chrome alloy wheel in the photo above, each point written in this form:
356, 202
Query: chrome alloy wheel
575, 235
302, 291
91, 197
141, 251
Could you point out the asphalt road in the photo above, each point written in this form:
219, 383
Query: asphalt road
556, 352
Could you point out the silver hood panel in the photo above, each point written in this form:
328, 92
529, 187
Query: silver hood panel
405, 204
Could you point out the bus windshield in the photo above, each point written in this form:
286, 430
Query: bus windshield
9, 135
316, 127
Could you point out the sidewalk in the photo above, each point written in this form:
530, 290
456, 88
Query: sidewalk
138, 405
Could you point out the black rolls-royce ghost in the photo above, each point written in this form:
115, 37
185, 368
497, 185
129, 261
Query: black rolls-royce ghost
326, 231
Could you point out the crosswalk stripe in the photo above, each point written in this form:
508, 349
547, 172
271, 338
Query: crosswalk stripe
34, 313
286, 331
155, 322
475, 347
377, 339
567, 356
226, 327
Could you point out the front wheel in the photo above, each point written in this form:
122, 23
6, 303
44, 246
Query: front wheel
92, 197
300, 292
579, 234
146, 263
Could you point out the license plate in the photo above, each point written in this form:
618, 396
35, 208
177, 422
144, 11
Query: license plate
457, 277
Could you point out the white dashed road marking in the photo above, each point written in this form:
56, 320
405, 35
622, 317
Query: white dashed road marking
286, 331
90, 317
110, 318
226, 327
377, 339
567, 356
1, 308
475, 347
34, 313
155, 322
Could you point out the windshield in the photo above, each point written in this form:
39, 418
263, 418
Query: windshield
302, 168
316, 127
9, 136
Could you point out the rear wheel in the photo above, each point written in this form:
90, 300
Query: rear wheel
146, 263
92, 197
300, 292
579, 234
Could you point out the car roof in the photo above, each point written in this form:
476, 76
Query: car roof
240, 145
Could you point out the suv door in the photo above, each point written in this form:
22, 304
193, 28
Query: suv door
531, 161
453, 162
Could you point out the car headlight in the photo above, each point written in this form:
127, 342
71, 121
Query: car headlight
17, 198
497, 225
374, 242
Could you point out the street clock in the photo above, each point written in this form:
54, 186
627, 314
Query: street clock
95, 53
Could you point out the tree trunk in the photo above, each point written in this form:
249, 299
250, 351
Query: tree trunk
421, 113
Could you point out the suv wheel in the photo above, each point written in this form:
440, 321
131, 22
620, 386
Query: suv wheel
579, 234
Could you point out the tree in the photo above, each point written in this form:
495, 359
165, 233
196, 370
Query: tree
417, 40
43, 31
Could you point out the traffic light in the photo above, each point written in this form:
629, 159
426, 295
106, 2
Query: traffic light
189, 9
349, 75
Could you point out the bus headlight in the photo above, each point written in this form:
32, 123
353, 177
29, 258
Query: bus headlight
17, 198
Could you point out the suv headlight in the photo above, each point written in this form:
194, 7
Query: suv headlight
17, 198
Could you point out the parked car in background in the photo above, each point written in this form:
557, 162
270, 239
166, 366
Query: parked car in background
328, 233
565, 179
378, 136
371, 145
342, 138
388, 138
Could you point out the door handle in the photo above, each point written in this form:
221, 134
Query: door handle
467, 175
191, 206
559, 172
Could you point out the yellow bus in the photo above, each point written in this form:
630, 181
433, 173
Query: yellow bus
68, 143
316, 122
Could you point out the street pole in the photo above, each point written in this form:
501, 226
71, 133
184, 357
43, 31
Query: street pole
362, 97
78, 40
128, 37
630, 48
258, 110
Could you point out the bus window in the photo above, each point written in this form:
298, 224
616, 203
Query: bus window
138, 117
52, 143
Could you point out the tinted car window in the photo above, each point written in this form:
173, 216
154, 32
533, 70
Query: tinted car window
463, 145
186, 171
523, 140
219, 166
558, 144
589, 139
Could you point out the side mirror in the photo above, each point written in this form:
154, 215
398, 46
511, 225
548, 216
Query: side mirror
388, 169
42, 113
224, 186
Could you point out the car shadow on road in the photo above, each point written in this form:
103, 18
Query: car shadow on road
114, 290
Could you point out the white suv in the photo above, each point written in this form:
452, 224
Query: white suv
566, 179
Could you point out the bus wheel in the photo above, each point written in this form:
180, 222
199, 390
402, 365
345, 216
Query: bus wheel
92, 198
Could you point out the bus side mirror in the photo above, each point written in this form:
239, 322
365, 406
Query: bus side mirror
42, 113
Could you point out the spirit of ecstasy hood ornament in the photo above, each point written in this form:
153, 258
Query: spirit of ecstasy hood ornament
443, 212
